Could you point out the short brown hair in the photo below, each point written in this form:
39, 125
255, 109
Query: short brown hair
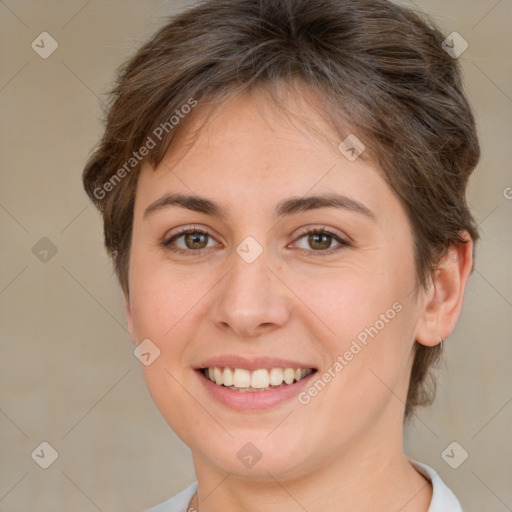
379, 67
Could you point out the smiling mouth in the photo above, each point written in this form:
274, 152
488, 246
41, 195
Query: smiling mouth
240, 379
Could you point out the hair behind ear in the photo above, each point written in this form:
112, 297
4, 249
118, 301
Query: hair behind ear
422, 385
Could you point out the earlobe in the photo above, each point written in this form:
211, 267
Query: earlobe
443, 302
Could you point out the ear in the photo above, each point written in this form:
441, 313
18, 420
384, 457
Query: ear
443, 301
129, 318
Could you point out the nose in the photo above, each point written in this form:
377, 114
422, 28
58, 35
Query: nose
250, 300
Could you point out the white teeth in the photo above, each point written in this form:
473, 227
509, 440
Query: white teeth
276, 376
218, 375
227, 377
289, 375
260, 379
257, 380
241, 378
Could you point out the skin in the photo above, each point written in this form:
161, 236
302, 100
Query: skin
290, 302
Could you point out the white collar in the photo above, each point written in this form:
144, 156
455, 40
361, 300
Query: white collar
443, 499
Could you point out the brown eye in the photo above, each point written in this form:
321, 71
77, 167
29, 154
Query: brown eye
195, 240
320, 241
190, 240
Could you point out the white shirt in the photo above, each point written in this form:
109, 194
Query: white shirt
443, 499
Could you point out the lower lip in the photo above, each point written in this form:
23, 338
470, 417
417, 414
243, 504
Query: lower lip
253, 400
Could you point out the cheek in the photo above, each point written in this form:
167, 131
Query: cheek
352, 297
368, 316
157, 296
165, 308
368, 373
168, 303
371, 333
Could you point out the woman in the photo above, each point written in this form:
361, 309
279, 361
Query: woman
282, 185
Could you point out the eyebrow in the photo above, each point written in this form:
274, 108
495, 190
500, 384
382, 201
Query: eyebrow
284, 208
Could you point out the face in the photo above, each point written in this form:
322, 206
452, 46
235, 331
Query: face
248, 274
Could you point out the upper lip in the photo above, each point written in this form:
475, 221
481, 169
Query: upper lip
254, 363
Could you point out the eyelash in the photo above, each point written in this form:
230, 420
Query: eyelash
314, 231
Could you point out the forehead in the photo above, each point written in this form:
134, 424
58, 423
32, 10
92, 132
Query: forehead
248, 153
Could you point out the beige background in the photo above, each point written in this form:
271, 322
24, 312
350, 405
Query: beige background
68, 375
